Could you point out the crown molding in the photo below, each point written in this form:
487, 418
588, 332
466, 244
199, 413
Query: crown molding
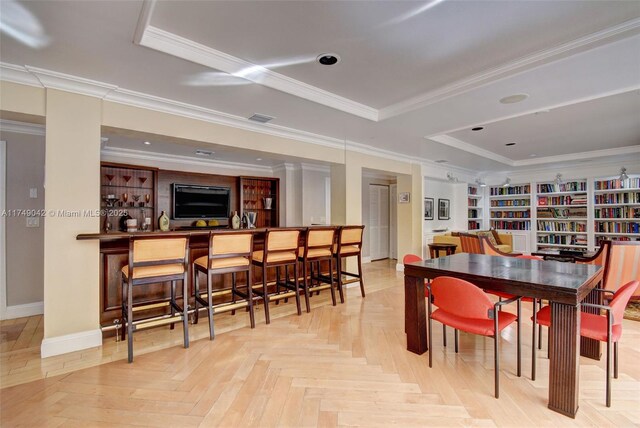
21, 127
144, 19
18, 74
314, 167
65, 82
470, 148
180, 47
286, 166
184, 160
511, 68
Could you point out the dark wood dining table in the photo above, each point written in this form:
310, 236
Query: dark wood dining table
564, 285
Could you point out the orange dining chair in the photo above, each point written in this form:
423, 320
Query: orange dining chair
488, 249
605, 328
470, 243
624, 265
465, 307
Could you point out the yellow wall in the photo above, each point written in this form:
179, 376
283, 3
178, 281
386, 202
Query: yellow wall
72, 183
73, 124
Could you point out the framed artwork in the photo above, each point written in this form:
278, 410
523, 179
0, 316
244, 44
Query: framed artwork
404, 197
428, 208
443, 209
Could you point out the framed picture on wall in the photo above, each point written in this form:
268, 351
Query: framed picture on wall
443, 209
404, 197
428, 208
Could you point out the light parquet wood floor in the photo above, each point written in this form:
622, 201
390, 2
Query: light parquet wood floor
337, 366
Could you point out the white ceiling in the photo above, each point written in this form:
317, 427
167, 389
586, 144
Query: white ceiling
402, 78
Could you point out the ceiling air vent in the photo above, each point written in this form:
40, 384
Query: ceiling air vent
262, 118
204, 152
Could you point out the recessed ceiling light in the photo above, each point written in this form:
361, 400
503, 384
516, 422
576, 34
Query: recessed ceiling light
204, 152
532, 155
442, 161
146, 143
510, 144
258, 159
328, 59
512, 99
478, 128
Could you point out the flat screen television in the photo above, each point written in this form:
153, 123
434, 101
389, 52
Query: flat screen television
191, 201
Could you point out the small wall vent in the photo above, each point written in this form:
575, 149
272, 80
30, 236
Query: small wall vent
261, 118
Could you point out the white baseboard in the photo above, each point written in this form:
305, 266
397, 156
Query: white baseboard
20, 311
70, 343
366, 260
400, 267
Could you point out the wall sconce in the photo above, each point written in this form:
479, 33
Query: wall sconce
623, 176
507, 182
451, 177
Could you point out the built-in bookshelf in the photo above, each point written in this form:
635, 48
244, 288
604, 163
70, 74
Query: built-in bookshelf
474, 207
616, 209
510, 207
561, 215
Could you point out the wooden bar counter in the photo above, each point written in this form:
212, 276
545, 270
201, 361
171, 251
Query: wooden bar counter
114, 251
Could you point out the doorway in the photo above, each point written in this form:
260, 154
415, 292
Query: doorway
379, 221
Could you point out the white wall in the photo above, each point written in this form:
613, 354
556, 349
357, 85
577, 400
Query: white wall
314, 195
456, 193
24, 245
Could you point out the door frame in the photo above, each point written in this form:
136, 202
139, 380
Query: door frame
3, 230
388, 186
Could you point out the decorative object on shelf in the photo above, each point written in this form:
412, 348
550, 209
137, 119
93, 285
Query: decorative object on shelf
146, 224
136, 198
251, 219
132, 225
623, 174
428, 208
126, 178
480, 182
125, 198
147, 198
507, 182
142, 180
443, 209
235, 221
558, 180
163, 222
404, 197
110, 177
267, 203
109, 200
123, 221
107, 224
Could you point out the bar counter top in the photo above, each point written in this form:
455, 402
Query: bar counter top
112, 236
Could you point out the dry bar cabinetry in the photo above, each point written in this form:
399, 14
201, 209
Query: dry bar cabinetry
261, 195
130, 189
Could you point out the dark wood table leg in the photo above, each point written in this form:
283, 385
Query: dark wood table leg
590, 348
415, 314
564, 364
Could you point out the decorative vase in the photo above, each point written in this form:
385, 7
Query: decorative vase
235, 221
267, 203
163, 222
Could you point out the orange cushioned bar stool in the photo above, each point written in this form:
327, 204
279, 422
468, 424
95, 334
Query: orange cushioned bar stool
349, 245
229, 252
155, 260
317, 249
280, 251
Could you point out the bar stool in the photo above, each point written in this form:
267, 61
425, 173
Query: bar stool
229, 252
349, 245
317, 248
155, 259
280, 250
